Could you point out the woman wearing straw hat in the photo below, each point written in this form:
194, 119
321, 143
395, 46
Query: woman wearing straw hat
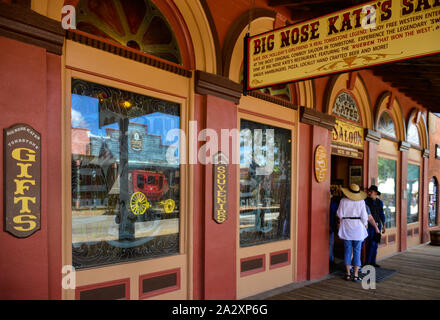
353, 229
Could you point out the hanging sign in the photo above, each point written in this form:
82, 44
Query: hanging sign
320, 164
22, 174
374, 33
345, 133
220, 188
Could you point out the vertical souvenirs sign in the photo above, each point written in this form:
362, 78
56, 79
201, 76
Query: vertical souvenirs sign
22, 180
220, 188
373, 33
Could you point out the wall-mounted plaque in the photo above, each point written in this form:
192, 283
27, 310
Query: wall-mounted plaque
136, 141
220, 188
22, 184
320, 164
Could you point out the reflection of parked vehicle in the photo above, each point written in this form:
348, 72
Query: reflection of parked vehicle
149, 186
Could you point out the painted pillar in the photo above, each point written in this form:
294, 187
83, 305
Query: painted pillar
425, 203
30, 82
217, 102
403, 196
319, 210
304, 196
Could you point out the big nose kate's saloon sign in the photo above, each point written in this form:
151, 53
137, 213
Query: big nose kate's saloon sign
22, 184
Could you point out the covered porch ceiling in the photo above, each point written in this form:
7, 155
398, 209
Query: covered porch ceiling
417, 78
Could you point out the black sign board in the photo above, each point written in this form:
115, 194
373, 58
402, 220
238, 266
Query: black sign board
22, 180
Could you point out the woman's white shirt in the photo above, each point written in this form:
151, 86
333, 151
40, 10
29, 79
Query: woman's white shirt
352, 229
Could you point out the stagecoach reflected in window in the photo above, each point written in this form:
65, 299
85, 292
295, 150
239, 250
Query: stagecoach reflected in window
125, 194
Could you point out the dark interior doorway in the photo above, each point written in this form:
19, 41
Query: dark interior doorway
344, 171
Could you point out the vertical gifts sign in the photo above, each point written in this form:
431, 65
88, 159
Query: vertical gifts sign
22, 180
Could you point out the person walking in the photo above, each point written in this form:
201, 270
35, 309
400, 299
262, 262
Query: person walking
376, 207
334, 204
353, 228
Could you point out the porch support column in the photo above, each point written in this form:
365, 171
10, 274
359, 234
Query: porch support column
318, 233
215, 248
403, 148
425, 202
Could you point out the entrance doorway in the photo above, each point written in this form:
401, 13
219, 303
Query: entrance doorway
344, 172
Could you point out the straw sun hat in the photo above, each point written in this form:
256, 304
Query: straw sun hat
353, 192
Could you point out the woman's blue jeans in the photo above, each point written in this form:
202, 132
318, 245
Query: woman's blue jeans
352, 248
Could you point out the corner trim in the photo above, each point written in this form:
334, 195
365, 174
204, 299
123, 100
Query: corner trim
219, 86
126, 52
22, 24
317, 118
404, 146
425, 153
372, 136
272, 99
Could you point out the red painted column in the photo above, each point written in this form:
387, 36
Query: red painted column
218, 241
198, 204
304, 187
319, 210
403, 199
425, 202
30, 82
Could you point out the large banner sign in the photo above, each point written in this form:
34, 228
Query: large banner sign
374, 33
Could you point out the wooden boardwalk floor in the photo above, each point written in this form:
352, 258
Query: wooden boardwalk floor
418, 278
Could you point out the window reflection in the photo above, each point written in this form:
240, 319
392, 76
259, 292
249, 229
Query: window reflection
387, 186
125, 195
386, 125
433, 196
413, 193
264, 198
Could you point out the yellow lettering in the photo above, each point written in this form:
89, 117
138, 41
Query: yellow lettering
221, 194
21, 185
24, 203
221, 169
24, 170
16, 154
19, 220
220, 182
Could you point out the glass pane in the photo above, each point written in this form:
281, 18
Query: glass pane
413, 192
265, 169
386, 125
433, 202
119, 149
413, 134
136, 24
387, 186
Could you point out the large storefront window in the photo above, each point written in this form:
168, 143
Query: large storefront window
387, 186
125, 193
265, 169
413, 186
433, 196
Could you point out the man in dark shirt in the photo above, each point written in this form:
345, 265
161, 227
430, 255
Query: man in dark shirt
376, 207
